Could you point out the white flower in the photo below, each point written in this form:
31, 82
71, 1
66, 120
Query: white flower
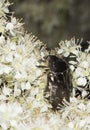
9, 26
12, 109
25, 86
68, 43
84, 64
6, 90
79, 72
18, 75
9, 58
5, 69
38, 73
66, 54
82, 123
18, 56
4, 126
14, 20
33, 62
73, 100
81, 106
4, 7
14, 26
24, 75
35, 92
84, 93
17, 91
13, 123
13, 46
2, 40
9, 114
2, 97
44, 108
81, 81
36, 104
28, 85
71, 125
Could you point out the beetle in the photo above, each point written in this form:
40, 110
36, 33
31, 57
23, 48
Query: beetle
59, 85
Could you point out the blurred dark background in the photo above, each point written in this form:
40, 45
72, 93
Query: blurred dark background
54, 20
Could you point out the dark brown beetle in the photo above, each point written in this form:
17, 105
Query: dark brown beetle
59, 85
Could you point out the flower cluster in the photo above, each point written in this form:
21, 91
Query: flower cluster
23, 80
19, 58
10, 115
79, 62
